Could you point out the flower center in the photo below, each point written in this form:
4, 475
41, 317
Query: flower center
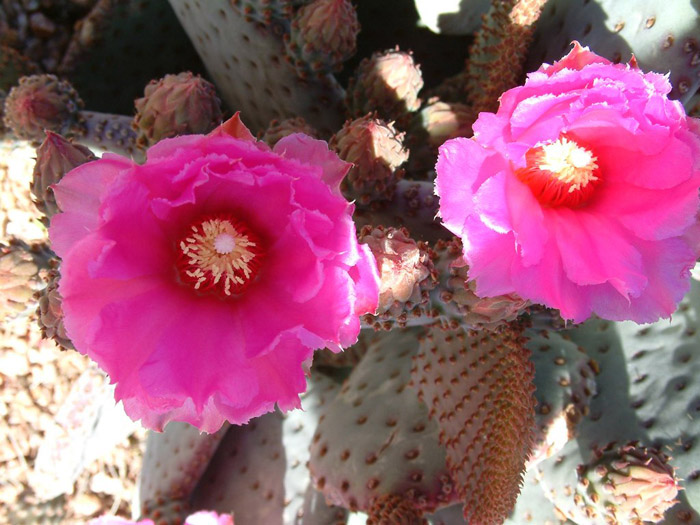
219, 254
560, 173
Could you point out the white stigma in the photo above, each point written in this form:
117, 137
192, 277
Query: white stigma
224, 243
570, 163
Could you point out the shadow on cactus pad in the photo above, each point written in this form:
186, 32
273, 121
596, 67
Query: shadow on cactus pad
122, 45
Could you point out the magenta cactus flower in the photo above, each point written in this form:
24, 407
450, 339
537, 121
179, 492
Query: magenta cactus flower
580, 192
202, 280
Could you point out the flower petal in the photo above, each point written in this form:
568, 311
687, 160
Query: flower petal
594, 252
462, 166
79, 195
313, 152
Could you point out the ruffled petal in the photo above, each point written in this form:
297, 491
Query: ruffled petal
594, 252
313, 152
79, 195
667, 264
546, 283
462, 166
365, 275
639, 212
636, 167
578, 58
490, 256
528, 221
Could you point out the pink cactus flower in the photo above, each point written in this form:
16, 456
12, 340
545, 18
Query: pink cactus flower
202, 280
202, 517
580, 193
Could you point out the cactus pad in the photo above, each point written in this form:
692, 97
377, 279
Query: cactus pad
480, 393
375, 437
246, 63
663, 36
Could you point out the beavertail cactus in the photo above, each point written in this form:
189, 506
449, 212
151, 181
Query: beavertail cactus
390, 508
44, 103
246, 62
268, 11
565, 384
497, 56
662, 36
257, 471
179, 104
175, 461
222, 282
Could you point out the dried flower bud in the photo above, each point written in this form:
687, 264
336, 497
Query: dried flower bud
55, 157
42, 102
388, 83
179, 104
19, 278
323, 36
376, 150
280, 129
405, 267
630, 484
50, 314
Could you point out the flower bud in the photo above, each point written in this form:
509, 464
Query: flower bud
55, 157
377, 152
437, 122
631, 484
388, 83
42, 102
323, 36
179, 104
280, 129
406, 272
